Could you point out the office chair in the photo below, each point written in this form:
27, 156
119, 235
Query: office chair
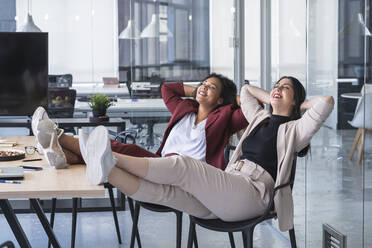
155, 208
245, 226
74, 214
129, 136
60, 81
61, 103
7, 244
363, 121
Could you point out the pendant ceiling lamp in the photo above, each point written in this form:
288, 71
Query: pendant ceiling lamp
130, 32
29, 25
152, 30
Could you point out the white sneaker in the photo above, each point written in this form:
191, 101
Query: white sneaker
83, 138
48, 140
41, 114
36, 117
100, 157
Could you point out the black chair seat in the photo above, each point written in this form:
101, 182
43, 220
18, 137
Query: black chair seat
224, 226
156, 208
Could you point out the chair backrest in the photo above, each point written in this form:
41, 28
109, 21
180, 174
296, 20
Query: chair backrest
231, 146
290, 183
293, 170
62, 81
363, 116
366, 89
7, 244
61, 103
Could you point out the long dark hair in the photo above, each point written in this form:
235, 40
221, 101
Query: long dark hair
228, 89
299, 97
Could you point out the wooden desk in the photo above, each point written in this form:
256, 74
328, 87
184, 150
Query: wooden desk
66, 122
47, 183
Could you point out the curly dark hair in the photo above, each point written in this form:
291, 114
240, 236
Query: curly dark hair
228, 90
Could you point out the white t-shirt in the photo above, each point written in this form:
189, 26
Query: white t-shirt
186, 138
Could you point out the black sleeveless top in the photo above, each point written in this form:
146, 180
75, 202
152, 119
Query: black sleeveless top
260, 145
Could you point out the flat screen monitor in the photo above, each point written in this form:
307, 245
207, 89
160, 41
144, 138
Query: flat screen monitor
23, 72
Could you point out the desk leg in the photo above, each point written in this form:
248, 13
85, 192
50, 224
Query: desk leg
44, 221
14, 223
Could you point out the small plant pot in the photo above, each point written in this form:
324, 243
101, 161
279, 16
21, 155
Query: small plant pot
99, 112
102, 118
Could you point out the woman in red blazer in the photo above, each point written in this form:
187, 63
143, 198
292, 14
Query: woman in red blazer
224, 117
214, 102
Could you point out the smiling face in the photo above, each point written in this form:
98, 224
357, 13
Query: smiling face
209, 93
282, 97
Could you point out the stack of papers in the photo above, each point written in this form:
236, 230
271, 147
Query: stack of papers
7, 143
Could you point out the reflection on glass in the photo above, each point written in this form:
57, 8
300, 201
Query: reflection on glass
171, 46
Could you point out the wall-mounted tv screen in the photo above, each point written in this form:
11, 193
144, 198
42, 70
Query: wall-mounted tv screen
23, 72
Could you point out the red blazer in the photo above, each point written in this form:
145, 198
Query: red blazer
221, 123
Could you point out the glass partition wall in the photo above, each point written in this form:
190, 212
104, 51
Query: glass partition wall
325, 44
288, 30
168, 40
338, 60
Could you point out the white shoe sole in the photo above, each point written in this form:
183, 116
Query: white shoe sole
55, 156
83, 138
51, 147
96, 147
36, 117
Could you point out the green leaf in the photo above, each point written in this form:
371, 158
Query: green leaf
100, 102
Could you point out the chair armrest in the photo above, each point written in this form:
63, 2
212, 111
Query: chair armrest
8, 244
271, 202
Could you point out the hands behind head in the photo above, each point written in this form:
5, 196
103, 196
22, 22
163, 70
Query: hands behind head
238, 100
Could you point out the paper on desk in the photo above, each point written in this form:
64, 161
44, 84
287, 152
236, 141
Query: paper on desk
7, 143
124, 100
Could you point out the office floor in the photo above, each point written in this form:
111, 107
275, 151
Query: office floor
328, 188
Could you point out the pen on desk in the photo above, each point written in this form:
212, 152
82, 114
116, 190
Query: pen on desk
9, 181
30, 160
31, 167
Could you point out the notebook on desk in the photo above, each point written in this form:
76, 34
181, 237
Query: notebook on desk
11, 173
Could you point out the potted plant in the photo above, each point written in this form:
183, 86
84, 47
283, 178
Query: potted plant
99, 104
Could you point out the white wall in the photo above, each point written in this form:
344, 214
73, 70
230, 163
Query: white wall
252, 39
289, 39
82, 36
221, 29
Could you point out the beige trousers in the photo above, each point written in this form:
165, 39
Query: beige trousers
240, 192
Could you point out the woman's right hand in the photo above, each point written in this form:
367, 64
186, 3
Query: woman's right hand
238, 100
261, 95
190, 91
